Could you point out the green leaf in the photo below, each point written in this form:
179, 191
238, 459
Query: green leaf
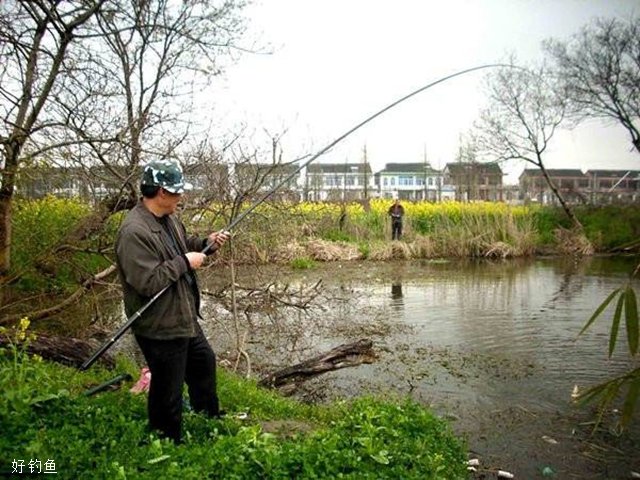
599, 310
381, 457
159, 459
615, 325
631, 400
631, 318
593, 392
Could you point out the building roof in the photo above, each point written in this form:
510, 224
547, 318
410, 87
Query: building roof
419, 168
614, 173
553, 172
268, 168
339, 168
460, 168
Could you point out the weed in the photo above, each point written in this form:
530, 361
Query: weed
303, 263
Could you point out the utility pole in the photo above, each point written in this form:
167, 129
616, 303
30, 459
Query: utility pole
426, 165
364, 170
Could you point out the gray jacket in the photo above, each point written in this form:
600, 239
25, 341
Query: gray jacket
146, 264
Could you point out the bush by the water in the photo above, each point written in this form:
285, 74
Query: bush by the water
45, 416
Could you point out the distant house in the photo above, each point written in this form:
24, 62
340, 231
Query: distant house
338, 182
474, 180
210, 180
606, 186
256, 179
91, 183
409, 181
571, 183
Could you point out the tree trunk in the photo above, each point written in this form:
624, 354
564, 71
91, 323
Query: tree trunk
5, 232
7, 183
347, 355
563, 203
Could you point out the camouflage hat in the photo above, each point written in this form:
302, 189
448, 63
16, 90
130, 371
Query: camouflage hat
166, 174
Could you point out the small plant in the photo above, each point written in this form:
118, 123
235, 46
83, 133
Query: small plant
608, 391
364, 249
303, 263
337, 236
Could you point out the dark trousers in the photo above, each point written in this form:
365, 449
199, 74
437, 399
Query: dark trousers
396, 230
172, 363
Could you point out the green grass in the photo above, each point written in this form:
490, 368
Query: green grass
303, 263
44, 415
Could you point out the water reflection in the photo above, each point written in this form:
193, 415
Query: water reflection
396, 292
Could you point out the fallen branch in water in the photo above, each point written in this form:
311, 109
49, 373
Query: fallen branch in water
347, 355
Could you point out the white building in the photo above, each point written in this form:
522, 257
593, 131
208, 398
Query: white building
338, 182
409, 181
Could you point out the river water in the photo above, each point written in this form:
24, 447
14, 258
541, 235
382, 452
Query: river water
492, 346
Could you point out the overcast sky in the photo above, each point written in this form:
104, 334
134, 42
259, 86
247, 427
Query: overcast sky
335, 62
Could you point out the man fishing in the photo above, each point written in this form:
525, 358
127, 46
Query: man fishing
396, 212
153, 252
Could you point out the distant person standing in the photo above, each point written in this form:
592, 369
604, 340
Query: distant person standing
396, 212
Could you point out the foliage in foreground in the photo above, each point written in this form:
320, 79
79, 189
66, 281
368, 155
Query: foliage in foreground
605, 393
45, 416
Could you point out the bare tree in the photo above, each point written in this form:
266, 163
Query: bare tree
599, 69
468, 176
524, 113
103, 86
153, 60
35, 38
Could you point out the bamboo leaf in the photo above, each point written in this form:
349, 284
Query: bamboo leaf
615, 325
631, 318
606, 398
633, 395
593, 392
599, 310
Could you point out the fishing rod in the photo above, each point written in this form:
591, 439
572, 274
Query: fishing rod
114, 338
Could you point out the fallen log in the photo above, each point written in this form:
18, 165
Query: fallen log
65, 350
347, 355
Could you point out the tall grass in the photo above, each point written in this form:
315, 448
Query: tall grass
284, 232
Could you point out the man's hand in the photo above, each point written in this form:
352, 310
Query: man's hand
195, 259
219, 238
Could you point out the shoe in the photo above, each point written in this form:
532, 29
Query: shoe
220, 414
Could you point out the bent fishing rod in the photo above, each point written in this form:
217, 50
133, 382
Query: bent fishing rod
114, 338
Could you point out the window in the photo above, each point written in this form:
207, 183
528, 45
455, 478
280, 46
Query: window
405, 180
332, 181
393, 181
384, 181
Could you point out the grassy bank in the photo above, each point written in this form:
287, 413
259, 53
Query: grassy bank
306, 232
45, 416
